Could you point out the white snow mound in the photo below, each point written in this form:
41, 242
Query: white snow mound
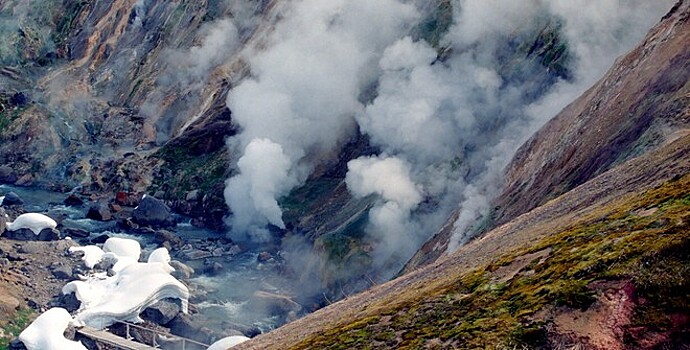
160, 255
35, 222
123, 247
92, 254
228, 342
46, 332
125, 295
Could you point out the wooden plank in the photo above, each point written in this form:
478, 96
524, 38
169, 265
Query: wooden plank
112, 339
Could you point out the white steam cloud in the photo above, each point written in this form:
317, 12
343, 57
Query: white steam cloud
304, 90
261, 183
446, 127
596, 34
389, 221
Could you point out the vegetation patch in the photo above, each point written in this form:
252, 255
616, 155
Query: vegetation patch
11, 329
651, 251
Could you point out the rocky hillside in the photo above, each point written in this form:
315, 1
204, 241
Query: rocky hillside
115, 99
593, 257
639, 105
129, 97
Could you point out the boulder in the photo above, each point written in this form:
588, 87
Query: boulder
25, 234
195, 254
99, 212
61, 272
163, 236
16, 344
68, 302
12, 198
153, 212
125, 199
215, 268
73, 200
75, 232
29, 248
185, 325
264, 257
248, 331
100, 239
161, 312
182, 271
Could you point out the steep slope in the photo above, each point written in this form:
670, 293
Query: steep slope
641, 103
637, 210
601, 265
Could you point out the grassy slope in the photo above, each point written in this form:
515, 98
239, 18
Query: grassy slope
11, 328
477, 310
460, 302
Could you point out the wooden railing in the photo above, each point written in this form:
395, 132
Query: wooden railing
128, 342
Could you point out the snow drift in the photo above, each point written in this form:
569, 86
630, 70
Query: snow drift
134, 286
46, 332
35, 222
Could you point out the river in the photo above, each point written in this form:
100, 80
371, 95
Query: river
221, 298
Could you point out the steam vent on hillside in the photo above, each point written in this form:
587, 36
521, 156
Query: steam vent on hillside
344, 174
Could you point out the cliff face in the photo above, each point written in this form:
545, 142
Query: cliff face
643, 102
603, 265
640, 104
105, 83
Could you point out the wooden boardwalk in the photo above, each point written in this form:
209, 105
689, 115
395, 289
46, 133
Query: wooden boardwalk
112, 339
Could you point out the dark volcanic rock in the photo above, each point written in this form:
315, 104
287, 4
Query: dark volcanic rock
62, 272
73, 200
24, 234
163, 236
100, 239
12, 198
99, 212
16, 344
162, 312
153, 212
182, 271
75, 232
69, 302
186, 326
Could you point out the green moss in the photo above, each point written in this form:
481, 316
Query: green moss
651, 251
186, 172
11, 329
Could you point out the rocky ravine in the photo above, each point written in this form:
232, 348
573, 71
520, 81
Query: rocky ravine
114, 99
628, 185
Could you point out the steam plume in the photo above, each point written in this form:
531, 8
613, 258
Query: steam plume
446, 127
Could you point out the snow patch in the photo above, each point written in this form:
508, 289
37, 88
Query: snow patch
133, 287
46, 332
228, 342
92, 254
33, 221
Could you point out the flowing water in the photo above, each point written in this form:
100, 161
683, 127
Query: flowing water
223, 298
